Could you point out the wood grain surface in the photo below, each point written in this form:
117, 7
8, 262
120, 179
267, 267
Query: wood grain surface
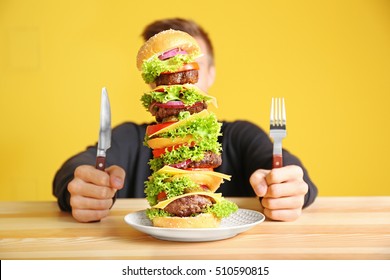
332, 228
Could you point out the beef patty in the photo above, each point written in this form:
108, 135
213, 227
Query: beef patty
166, 113
178, 78
210, 160
188, 205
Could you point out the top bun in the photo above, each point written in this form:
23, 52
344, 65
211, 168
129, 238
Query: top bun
165, 41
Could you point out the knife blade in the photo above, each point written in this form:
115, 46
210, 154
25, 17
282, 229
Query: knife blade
104, 142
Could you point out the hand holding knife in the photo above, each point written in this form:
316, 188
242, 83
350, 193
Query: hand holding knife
88, 190
104, 142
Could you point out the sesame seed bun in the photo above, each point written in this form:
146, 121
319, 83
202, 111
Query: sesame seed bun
164, 41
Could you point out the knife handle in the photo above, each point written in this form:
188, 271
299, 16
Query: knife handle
100, 163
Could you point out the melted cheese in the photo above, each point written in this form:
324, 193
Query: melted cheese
159, 143
175, 171
216, 196
201, 114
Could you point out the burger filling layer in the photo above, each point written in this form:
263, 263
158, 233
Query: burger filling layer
188, 205
164, 113
185, 77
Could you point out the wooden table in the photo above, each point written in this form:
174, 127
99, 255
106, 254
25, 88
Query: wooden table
332, 228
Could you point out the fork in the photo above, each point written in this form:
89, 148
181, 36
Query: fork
277, 129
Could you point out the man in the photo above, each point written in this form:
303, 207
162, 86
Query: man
247, 156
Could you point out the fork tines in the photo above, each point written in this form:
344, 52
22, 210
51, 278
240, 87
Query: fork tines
278, 113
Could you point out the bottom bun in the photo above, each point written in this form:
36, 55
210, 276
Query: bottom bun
199, 221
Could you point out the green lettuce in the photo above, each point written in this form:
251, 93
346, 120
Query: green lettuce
159, 182
153, 67
204, 131
152, 213
188, 95
183, 153
222, 209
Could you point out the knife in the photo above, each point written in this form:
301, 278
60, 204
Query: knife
104, 142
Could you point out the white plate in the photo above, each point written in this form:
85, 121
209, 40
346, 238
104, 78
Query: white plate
240, 221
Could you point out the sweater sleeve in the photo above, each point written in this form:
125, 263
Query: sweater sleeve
246, 148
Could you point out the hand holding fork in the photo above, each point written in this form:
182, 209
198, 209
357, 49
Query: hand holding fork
282, 190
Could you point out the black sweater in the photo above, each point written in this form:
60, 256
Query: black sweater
245, 148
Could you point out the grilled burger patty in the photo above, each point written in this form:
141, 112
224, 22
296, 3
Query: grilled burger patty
164, 113
188, 205
178, 78
210, 160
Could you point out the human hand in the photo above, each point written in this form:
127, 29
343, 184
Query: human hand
283, 191
92, 191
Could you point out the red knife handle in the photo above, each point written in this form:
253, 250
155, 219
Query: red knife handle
277, 161
100, 163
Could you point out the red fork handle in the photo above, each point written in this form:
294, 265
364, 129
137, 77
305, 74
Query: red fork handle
277, 161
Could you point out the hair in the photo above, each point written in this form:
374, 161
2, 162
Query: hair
181, 24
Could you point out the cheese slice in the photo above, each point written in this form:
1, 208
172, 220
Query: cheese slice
159, 143
162, 204
201, 114
175, 171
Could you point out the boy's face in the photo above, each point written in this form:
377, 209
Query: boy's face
206, 71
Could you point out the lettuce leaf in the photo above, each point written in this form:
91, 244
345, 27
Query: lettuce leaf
189, 96
222, 209
158, 183
205, 133
207, 128
183, 153
152, 213
153, 67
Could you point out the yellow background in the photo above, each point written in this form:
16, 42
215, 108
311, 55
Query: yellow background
329, 59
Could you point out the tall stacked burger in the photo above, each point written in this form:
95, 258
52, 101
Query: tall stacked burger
184, 138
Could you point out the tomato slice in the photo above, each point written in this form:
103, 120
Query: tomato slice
186, 67
161, 196
151, 129
158, 152
159, 89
